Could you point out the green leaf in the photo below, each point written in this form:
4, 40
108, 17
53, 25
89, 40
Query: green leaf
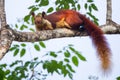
45, 64
16, 52
36, 58
42, 44
86, 5
66, 60
37, 1
30, 7
7, 72
96, 22
16, 45
80, 56
66, 6
50, 10
57, 2
78, 6
118, 78
72, 49
70, 68
22, 52
75, 60
3, 65
23, 45
34, 9
51, 66
90, 15
26, 18
67, 54
32, 65
12, 48
2, 75
37, 47
53, 54
70, 76
27, 64
32, 20
44, 3
71, 1
23, 27
93, 17
60, 63
89, 0
64, 71
15, 63
31, 29
90, 8
94, 7
16, 25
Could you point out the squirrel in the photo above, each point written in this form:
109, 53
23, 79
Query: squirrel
43, 24
73, 20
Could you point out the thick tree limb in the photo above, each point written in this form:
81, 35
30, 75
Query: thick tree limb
109, 11
57, 33
2, 14
45, 35
5, 35
111, 28
6, 38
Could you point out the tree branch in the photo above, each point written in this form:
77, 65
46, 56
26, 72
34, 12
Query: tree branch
56, 33
45, 35
6, 38
109, 11
2, 13
5, 35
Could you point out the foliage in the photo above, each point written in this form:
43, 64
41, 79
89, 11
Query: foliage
118, 78
21, 48
19, 70
63, 66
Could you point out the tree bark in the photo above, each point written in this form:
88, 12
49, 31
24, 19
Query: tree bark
5, 35
50, 34
109, 12
2, 14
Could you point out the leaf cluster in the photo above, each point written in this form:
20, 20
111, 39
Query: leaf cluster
19, 70
63, 66
21, 48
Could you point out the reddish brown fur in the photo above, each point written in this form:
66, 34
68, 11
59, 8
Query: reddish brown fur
43, 24
71, 17
75, 20
99, 42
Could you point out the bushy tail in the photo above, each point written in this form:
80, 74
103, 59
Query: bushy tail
99, 42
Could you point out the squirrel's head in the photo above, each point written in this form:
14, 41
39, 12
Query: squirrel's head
38, 19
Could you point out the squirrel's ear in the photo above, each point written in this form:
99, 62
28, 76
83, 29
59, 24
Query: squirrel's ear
33, 14
43, 14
